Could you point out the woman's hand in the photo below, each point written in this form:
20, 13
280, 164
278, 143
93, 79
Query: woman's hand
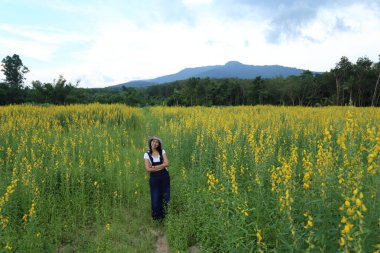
156, 168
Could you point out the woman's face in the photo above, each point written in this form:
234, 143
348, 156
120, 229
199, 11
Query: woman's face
154, 144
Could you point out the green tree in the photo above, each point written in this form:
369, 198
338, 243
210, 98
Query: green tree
362, 69
308, 89
131, 96
256, 87
176, 99
61, 89
376, 68
4, 94
56, 93
39, 94
190, 88
14, 71
290, 89
342, 72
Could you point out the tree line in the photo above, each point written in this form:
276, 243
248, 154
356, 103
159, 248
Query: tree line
346, 84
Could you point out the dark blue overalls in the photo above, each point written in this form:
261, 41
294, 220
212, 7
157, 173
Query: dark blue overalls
159, 183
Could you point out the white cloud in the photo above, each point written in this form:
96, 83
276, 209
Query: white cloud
36, 42
122, 52
42, 34
197, 2
125, 52
27, 49
142, 41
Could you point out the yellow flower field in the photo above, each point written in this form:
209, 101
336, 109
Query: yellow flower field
244, 179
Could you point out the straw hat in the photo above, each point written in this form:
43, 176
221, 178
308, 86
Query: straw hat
150, 138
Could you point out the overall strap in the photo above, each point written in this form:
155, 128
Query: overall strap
151, 158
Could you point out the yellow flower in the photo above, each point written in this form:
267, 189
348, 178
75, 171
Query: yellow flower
360, 214
347, 228
342, 242
4, 221
370, 158
32, 210
108, 227
244, 212
8, 247
259, 237
309, 221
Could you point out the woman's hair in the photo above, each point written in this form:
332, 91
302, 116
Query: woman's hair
159, 148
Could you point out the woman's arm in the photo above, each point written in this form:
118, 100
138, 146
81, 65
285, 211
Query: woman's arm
165, 163
150, 168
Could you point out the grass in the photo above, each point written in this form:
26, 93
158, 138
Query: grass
129, 231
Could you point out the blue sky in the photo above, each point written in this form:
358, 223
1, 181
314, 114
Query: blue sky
103, 43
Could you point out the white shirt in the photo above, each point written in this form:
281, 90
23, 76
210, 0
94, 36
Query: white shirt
155, 158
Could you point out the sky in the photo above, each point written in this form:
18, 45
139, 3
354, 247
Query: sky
104, 43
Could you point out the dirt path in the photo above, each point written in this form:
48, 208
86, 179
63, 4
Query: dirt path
162, 245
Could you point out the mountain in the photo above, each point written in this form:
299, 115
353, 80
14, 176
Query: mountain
232, 69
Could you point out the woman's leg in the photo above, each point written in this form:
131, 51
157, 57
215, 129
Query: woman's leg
165, 192
155, 195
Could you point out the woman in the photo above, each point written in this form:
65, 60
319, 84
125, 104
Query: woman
156, 163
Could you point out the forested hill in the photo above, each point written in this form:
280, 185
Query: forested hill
232, 69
